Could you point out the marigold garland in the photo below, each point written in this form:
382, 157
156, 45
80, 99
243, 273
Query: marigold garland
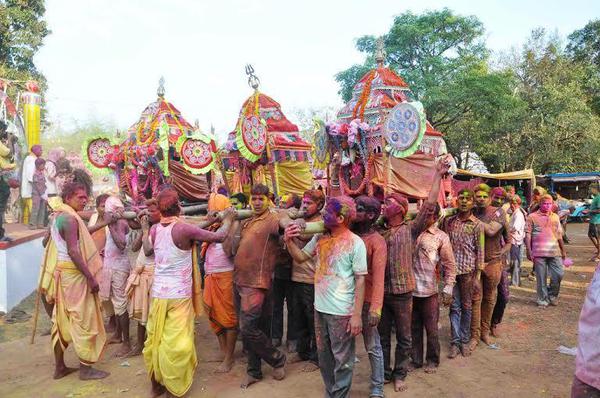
364, 97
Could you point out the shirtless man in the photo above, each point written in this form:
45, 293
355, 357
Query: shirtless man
77, 318
117, 261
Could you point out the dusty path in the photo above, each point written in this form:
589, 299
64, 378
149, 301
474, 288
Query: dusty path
525, 365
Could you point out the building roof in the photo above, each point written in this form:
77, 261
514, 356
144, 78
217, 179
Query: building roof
573, 177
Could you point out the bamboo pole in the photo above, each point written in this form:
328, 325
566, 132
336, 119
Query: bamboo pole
38, 298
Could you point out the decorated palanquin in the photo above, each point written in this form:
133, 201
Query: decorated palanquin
381, 141
267, 148
161, 147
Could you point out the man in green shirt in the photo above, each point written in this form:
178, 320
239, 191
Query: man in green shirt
594, 229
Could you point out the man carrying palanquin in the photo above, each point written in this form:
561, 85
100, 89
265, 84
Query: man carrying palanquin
169, 351
218, 288
256, 244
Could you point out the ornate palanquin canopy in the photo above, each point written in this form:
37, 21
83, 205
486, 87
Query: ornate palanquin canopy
160, 147
381, 121
265, 138
373, 97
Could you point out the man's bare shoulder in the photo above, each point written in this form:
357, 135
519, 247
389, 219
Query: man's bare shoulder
65, 218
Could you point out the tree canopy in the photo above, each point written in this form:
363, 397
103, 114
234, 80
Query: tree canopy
22, 31
538, 109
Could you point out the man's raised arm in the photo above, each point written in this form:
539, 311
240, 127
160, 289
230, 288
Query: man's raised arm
198, 234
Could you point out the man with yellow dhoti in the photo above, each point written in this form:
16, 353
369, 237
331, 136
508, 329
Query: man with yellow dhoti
76, 318
49, 260
169, 351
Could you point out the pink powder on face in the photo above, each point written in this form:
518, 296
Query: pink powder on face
546, 206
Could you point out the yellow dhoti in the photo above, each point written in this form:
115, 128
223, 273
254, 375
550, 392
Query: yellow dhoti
77, 318
169, 350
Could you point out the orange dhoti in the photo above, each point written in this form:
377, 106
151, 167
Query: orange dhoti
218, 300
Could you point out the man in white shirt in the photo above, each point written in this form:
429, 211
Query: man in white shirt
27, 180
517, 236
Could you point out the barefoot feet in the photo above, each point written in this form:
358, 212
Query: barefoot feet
279, 373
123, 350
248, 381
89, 373
400, 385
225, 366
157, 390
135, 351
59, 373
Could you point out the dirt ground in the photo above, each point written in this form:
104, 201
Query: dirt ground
525, 363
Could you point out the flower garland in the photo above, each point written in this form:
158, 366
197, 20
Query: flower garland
359, 109
345, 188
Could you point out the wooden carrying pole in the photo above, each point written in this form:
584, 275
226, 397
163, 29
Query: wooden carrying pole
38, 298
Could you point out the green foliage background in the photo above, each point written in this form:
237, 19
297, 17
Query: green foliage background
537, 107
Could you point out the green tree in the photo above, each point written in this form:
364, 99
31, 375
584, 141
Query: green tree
72, 140
559, 131
584, 44
22, 31
432, 52
443, 58
584, 48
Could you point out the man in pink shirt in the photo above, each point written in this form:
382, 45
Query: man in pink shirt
433, 251
545, 248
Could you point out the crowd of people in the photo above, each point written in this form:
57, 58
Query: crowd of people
38, 180
371, 271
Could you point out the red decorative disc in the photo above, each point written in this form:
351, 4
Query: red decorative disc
254, 134
99, 151
196, 154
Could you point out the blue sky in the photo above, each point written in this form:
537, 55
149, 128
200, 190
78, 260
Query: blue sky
104, 58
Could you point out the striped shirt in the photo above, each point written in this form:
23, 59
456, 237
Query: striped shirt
545, 231
433, 248
468, 243
399, 275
